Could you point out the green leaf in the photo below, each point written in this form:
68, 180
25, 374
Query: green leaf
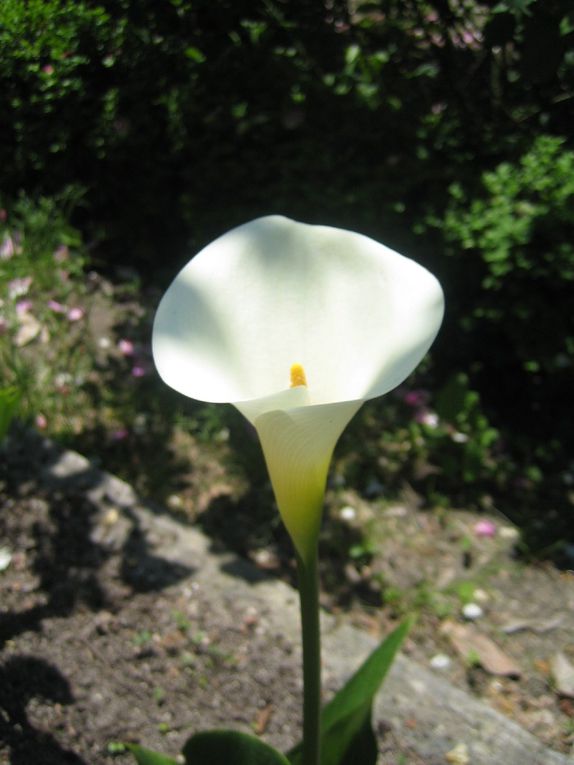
228, 747
149, 757
195, 55
351, 740
9, 400
347, 735
451, 400
363, 747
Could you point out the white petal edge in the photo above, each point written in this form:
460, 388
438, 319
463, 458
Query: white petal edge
358, 316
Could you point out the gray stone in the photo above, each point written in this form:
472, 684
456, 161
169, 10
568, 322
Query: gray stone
434, 717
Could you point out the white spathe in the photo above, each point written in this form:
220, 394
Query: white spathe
271, 293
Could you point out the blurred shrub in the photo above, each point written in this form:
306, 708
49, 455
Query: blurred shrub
463, 442
9, 400
442, 444
44, 353
37, 236
513, 247
509, 282
52, 57
182, 119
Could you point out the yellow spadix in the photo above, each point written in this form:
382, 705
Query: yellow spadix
298, 377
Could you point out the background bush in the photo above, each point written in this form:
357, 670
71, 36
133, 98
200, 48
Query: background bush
183, 118
512, 246
442, 128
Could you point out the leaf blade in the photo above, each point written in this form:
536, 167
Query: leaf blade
145, 756
347, 736
364, 684
228, 747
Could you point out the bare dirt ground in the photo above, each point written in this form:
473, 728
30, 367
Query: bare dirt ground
102, 641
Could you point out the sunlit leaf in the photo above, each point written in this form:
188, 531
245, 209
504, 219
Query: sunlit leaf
227, 747
145, 756
347, 735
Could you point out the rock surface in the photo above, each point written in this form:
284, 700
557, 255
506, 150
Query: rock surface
417, 710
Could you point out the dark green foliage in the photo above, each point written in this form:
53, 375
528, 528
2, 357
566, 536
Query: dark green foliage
38, 228
444, 446
227, 747
512, 246
517, 239
9, 400
145, 756
181, 119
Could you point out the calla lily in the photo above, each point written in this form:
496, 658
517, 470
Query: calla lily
296, 325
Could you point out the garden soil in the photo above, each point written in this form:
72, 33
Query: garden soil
104, 640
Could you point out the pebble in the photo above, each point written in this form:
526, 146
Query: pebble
440, 661
563, 674
348, 513
507, 532
112, 516
472, 611
458, 756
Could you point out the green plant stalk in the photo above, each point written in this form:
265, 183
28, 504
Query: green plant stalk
311, 637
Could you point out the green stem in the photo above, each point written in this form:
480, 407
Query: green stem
311, 633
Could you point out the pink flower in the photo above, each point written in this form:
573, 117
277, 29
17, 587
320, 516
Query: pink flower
126, 347
23, 306
7, 248
138, 371
41, 421
75, 314
416, 398
120, 434
426, 417
61, 253
485, 528
53, 305
19, 287
48, 69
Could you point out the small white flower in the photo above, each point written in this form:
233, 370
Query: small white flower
428, 418
19, 287
348, 513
